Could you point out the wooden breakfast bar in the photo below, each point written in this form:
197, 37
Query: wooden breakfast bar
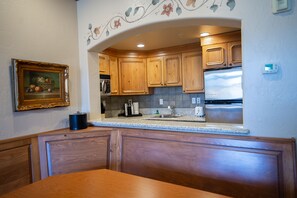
105, 184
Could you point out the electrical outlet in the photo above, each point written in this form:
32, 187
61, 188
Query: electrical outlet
193, 100
198, 100
161, 101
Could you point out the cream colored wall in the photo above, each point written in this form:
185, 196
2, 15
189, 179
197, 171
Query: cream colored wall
269, 100
40, 30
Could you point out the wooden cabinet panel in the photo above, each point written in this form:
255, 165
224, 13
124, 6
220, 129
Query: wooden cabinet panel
234, 54
223, 50
193, 80
133, 76
172, 71
214, 56
66, 153
233, 166
155, 71
103, 64
114, 76
18, 164
164, 71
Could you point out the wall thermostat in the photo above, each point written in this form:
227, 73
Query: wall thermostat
270, 68
281, 6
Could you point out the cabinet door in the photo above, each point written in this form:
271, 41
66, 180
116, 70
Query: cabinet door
15, 166
214, 56
234, 54
67, 153
172, 70
103, 64
133, 76
155, 71
114, 75
192, 72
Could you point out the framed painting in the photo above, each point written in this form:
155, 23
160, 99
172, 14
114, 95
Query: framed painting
39, 85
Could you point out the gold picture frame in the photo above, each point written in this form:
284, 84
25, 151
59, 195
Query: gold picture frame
39, 85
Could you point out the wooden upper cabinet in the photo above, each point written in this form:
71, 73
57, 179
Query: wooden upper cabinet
114, 76
192, 72
214, 56
104, 64
223, 50
133, 76
155, 71
234, 54
164, 71
172, 72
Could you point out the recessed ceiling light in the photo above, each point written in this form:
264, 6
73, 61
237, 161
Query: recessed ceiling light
204, 34
140, 45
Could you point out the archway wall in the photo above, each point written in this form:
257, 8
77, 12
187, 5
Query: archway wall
270, 100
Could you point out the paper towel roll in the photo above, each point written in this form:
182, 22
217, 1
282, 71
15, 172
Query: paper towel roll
136, 108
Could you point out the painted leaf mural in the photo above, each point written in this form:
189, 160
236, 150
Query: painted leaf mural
157, 7
128, 12
231, 4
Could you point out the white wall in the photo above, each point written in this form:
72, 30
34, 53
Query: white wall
39, 30
269, 100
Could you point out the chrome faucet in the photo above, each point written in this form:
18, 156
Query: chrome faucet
172, 109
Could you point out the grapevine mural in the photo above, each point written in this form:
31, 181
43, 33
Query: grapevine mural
165, 8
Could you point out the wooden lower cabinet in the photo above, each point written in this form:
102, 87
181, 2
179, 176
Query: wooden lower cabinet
17, 164
73, 152
233, 166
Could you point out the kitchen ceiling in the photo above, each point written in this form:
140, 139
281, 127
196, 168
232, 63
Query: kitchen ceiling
169, 37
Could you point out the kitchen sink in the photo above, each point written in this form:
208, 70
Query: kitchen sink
166, 116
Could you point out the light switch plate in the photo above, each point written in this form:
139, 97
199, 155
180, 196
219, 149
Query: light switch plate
281, 6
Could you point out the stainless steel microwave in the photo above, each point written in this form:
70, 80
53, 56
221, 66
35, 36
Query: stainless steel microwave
105, 85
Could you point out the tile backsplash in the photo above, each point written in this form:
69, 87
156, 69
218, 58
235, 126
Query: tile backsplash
171, 96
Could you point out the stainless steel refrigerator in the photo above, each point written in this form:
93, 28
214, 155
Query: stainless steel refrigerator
223, 95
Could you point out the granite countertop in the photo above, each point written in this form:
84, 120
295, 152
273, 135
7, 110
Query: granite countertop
182, 124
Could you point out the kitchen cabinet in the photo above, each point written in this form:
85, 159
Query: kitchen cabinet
19, 163
234, 54
221, 51
104, 64
72, 152
164, 71
132, 76
114, 75
193, 80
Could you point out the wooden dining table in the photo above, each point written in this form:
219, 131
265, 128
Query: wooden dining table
105, 184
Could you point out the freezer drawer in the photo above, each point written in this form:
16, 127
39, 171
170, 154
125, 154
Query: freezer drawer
224, 113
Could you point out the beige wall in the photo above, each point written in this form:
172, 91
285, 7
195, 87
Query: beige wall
40, 30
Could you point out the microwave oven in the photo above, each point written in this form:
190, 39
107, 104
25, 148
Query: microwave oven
105, 85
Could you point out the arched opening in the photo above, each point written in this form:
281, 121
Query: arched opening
162, 92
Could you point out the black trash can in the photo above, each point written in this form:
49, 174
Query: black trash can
78, 121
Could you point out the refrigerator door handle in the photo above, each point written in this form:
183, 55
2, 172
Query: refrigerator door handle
223, 106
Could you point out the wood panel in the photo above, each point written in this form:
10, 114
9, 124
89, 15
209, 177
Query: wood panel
215, 56
234, 54
66, 153
193, 79
103, 64
233, 166
172, 71
155, 72
114, 76
15, 165
133, 79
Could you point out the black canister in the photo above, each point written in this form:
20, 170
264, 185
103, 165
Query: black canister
78, 121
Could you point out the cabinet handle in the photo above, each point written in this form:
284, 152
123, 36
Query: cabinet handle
230, 64
225, 64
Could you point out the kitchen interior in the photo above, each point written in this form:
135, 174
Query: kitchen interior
191, 73
187, 144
